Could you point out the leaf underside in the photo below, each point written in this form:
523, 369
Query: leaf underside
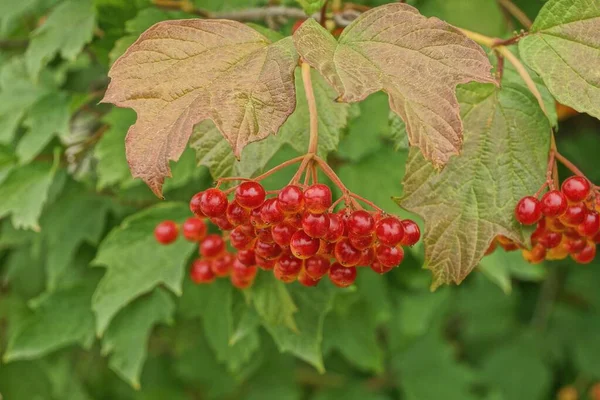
179, 73
564, 49
472, 200
418, 61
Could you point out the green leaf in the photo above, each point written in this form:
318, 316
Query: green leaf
311, 6
136, 263
351, 391
24, 191
214, 152
481, 16
501, 266
563, 47
47, 117
466, 205
66, 31
415, 313
273, 302
62, 319
126, 338
13, 377
8, 161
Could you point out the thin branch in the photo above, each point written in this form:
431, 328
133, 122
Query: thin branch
516, 12
570, 166
312, 109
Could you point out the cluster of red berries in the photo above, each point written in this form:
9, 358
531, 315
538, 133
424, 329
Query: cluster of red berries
295, 234
568, 223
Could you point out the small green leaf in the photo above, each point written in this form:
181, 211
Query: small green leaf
485, 17
273, 302
136, 263
311, 6
501, 266
126, 338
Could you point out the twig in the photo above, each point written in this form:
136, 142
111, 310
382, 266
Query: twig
312, 109
568, 164
516, 12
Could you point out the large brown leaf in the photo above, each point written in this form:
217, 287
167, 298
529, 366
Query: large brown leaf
179, 73
418, 61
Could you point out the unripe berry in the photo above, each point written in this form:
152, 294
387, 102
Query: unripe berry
586, 255
590, 225
412, 233
576, 188
528, 210
553, 204
336, 228
270, 212
346, 254
266, 250
389, 256
201, 272
246, 257
282, 233
250, 194
389, 231
306, 280
316, 266
360, 223
195, 205
237, 215
213, 203
317, 198
315, 225
342, 276
558, 253
222, 266
166, 232
291, 199
212, 246
304, 246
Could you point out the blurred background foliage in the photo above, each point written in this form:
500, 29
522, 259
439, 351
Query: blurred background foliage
72, 331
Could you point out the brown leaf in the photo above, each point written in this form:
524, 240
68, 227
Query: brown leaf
418, 61
179, 73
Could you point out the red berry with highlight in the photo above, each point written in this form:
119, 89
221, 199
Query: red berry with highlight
380, 268
265, 264
317, 198
336, 228
317, 266
195, 205
201, 272
266, 250
212, 246
367, 257
412, 233
250, 194
586, 255
240, 239
243, 271
360, 223
590, 225
271, 213
550, 239
306, 280
315, 225
289, 265
574, 215
213, 203
342, 276
240, 283
389, 231
166, 232
304, 246
291, 199
389, 256
554, 203
246, 257
346, 254
237, 215
528, 210
361, 242
256, 219
282, 233
221, 266
222, 222
194, 229
576, 188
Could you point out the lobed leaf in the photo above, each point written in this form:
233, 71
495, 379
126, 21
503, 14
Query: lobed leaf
563, 47
179, 73
416, 60
472, 200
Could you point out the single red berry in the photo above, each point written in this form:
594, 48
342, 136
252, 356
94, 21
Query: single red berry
240, 283
195, 205
240, 239
389, 231
271, 213
412, 233
222, 222
554, 203
380, 268
342, 276
336, 228
201, 272
536, 255
265, 235
528, 210
213, 203
346, 254
212, 246
289, 265
265, 264
266, 250
367, 257
282, 233
586, 255
222, 266
590, 225
280, 276
304, 246
576, 188
306, 280
596, 238
166, 232
250, 194
575, 245
317, 198
326, 248
246, 257
194, 229
315, 225
256, 219
317, 266
361, 242
389, 256
237, 215
291, 199
574, 215
243, 271
360, 223
550, 239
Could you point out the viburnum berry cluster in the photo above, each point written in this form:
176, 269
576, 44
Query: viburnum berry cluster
294, 232
567, 221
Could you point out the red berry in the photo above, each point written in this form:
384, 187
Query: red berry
236, 214
282, 233
240, 239
554, 203
256, 219
194, 229
346, 254
576, 188
550, 239
317, 198
212, 246
265, 235
213, 203
315, 225
412, 233
291, 199
361, 242
586, 255
316, 266
295, 220
342, 276
306, 280
360, 223
380, 268
242, 270
201, 272
574, 215
266, 250
389, 231
575, 245
304, 246
536, 255
271, 213
289, 265
265, 264
250, 194
222, 266
367, 257
389, 256
222, 222
246, 257
240, 283
195, 205
166, 232
590, 225
336, 228
528, 210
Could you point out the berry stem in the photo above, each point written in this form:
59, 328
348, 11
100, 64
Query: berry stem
346, 193
335, 203
367, 202
510, 41
313, 171
516, 12
305, 160
568, 164
312, 109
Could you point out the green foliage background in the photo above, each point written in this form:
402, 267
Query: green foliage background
92, 308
